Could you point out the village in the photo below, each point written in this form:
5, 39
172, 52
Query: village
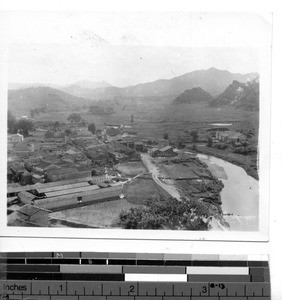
60, 168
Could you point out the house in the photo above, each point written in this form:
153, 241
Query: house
26, 197
164, 152
230, 136
68, 173
29, 215
98, 157
15, 138
10, 175
17, 168
37, 178
26, 178
117, 157
163, 143
113, 131
42, 167
139, 146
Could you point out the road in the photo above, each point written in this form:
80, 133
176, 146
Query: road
153, 169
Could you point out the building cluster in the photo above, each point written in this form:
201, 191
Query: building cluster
66, 153
66, 166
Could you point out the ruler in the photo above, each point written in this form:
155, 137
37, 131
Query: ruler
133, 276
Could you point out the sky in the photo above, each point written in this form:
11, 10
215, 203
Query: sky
130, 47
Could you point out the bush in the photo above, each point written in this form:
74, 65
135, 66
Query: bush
195, 135
209, 141
166, 213
220, 146
75, 118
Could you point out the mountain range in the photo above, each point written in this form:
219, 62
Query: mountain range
202, 85
212, 80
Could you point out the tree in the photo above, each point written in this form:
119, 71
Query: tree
49, 134
165, 136
180, 144
195, 135
56, 125
92, 128
24, 126
68, 132
11, 121
210, 141
74, 118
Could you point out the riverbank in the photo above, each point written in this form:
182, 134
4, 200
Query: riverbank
247, 162
240, 195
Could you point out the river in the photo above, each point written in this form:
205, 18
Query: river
240, 195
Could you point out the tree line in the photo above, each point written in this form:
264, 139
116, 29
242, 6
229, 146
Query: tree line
22, 126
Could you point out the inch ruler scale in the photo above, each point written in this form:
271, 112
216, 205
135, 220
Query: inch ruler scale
132, 276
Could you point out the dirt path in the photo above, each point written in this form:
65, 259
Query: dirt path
153, 169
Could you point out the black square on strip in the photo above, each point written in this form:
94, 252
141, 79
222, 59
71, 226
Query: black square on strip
121, 262
39, 261
90, 261
66, 261
178, 263
15, 261
205, 263
232, 263
150, 262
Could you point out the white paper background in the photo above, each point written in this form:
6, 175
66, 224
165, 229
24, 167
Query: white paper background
273, 247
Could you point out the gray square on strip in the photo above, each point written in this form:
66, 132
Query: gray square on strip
182, 289
129, 288
58, 288
93, 288
235, 289
164, 289
148, 298
76, 288
64, 298
92, 298
255, 289
234, 298
147, 289
120, 298
111, 289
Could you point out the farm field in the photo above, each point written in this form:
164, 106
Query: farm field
98, 215
141, 189
153, 119
130, 168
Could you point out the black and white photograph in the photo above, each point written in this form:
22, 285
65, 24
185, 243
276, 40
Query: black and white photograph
146, 121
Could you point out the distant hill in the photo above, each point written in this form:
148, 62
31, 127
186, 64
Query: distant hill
240, 95
76, 89
84, 88
195, 95
213, 81
37, 97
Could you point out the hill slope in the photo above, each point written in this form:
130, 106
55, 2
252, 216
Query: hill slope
30, 98
195, 95
240, 95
